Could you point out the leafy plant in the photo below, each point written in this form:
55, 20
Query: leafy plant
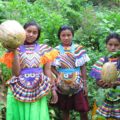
92, 21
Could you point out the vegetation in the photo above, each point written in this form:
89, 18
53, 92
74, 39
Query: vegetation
92, 21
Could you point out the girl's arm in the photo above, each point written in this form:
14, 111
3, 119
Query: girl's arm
54, 93
57, 74
53, 68
84, 76
83, 73
47, 69
16, 64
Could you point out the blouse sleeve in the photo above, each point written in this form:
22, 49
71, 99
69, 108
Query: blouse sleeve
81, 56
48, 54
56, 61
96, 69
7, 59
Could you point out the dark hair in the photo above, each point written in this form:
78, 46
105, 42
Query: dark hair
112, 35
26, 25
65, 27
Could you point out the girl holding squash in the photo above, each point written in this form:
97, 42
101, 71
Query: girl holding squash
27, 89
108, 76
70, 91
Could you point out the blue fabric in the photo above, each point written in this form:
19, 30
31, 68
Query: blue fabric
70, 70
72, 50
35, 70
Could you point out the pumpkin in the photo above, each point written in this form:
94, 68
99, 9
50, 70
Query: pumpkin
109, 72
12, 34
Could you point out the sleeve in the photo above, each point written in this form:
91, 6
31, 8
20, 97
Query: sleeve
48, 55
7, 59
81, 56
56, 61
96, 69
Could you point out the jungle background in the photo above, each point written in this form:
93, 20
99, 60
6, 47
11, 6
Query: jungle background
92, 21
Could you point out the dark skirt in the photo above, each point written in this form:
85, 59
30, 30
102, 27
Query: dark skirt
77, 102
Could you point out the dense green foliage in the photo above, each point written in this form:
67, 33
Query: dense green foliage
92, 21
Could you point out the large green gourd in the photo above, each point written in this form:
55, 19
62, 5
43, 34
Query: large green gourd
109, 72
12, 34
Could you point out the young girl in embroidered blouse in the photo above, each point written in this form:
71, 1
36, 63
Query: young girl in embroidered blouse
69, 68
111, 105
26, 98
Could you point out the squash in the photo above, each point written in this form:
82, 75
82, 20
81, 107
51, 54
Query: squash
109, 72
12, 34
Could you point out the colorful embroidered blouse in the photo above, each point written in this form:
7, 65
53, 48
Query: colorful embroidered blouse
68, 64
32, 84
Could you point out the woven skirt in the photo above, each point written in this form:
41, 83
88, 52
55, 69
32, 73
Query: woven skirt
110, 109
17, 110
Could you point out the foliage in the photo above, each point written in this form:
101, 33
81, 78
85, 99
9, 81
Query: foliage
87, 33
108, 3
25, 11
2, 15
98, 117
92, 21
6, 72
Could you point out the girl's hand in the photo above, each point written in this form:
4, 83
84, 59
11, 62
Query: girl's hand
116, 83
10, 49
85, 91
104, 84
54, 98
58, 79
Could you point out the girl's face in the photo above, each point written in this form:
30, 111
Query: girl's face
31, 33
113, 45
66, 37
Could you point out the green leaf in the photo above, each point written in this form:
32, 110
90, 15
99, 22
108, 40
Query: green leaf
114, 54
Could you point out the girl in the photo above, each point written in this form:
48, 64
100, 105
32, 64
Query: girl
26, 98
111, 105
69, 68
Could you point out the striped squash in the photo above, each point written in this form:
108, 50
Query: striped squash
109, 72
12, 34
